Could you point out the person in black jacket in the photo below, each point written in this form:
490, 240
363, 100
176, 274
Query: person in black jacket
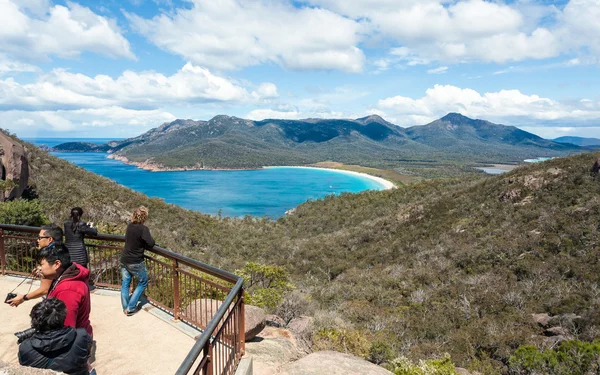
54, 346
137, 239
75, 230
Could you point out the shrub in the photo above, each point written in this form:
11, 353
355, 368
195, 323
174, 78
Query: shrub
569, 358
441, 366
380, 352
265, 284
344, 340
22, 212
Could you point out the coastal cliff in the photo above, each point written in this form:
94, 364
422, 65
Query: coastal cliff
14, 168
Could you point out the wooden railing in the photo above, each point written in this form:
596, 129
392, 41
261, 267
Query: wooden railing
201, 295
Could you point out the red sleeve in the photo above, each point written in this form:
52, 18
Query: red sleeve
72, 300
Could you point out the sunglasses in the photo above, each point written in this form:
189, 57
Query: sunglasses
42, 237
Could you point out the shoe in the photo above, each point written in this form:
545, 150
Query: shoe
131, 313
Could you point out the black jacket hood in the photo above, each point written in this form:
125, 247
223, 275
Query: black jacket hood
53, 341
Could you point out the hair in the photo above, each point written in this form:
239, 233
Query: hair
48, 315
54, 231
140, 215
76, 213
54, 253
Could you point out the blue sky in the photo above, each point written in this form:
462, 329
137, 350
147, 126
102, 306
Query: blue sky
119, 68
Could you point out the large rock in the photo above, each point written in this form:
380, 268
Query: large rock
202, 310
14, 166
15, 369
332, 363
274, 348
256, 319
542, 319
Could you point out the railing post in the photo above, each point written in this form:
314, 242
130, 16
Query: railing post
208, 354
176, 299
2, 253
242, 325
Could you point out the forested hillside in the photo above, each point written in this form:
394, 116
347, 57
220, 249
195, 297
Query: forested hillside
231, 142
445, 266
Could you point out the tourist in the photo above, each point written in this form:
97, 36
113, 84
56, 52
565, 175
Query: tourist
75, 230
49, 237
137, 239
52, 345
69, 284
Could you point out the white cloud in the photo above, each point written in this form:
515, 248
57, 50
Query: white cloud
477, 30
508, 106
265, 91
262, 114
83, 122
61, 89
440, 70
10, 66
231, 34
35, 30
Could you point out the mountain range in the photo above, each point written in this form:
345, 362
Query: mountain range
231, 142
578, 141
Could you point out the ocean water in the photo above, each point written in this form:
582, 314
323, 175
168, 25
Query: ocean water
266, 192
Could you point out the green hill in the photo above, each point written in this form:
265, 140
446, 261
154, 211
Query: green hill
447, 265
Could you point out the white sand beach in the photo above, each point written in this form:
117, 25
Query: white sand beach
386, 184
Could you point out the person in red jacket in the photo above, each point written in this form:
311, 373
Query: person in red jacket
69, 284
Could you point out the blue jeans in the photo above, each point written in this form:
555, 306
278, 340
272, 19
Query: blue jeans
128, 271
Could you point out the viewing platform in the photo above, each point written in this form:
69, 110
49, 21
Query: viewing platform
193, 322
147, 343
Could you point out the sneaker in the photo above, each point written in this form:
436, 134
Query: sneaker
131, 313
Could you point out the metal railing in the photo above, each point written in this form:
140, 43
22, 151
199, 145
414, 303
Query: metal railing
203, 296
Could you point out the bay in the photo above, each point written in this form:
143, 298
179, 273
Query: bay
264, 192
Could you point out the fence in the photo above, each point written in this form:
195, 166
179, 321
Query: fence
201, 295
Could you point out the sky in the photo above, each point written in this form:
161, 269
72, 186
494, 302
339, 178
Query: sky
86, 69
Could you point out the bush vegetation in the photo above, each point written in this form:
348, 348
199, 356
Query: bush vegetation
568, 358
22, 212
443, 266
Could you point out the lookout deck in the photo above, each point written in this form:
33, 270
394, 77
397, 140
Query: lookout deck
146, 343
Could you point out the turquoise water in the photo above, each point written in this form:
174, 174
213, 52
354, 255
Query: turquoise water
537, 160
265, 192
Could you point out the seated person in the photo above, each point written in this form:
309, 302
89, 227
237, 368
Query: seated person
54, 346
69, 284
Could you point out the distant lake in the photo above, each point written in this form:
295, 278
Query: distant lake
492, 170
264, 192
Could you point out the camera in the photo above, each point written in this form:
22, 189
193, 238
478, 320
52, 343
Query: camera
24, 335
9, 296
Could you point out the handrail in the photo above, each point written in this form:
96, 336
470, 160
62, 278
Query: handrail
228, 276
198, 347
228, 311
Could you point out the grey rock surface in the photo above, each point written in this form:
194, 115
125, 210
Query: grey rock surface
14, 369
15, 166
332, 363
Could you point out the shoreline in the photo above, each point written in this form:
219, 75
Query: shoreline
153, 167
386, 184
149, 166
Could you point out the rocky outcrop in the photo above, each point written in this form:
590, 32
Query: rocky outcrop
274, 348
14, 369
256, 320
332, 363
557, 328
14, 167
